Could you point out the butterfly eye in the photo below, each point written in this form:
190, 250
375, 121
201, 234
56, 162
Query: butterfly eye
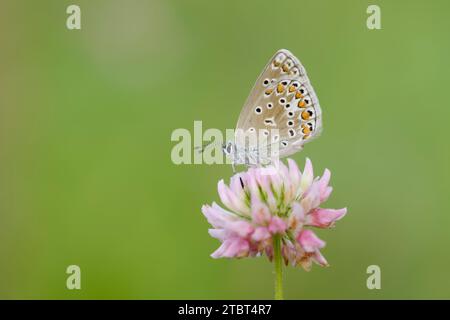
275, 138
284, 143
229, 148
307, 101
290, 123
282, 100
266, 82
258, 110
284, 83
290, 114
269, 105
251, 130
265, 132
287, 106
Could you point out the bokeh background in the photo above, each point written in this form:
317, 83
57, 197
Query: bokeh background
86, 118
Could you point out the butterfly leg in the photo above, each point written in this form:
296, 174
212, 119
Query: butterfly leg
242, 182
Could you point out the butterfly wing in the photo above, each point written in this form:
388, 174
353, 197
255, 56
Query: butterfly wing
282, 99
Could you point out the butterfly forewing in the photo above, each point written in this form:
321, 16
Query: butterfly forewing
282, 105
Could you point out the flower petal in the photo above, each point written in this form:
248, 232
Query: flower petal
277, 225
252, 185
240, 228
324, 180
237, 248
260, 234
309, 241
320, 259
305, 262
234, 202
294, 172
236, 185
295, 176
260, 213
264, 182
217, 216
307, 176
219, 252
311, 199
325, 194
325, 218
217, 233
296, 218
232, 248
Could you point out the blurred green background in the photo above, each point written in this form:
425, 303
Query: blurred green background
86, 118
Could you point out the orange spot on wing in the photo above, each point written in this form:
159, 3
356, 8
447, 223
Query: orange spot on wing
306, 130
305, 115
280, 88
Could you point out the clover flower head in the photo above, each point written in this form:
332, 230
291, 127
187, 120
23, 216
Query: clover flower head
262, 204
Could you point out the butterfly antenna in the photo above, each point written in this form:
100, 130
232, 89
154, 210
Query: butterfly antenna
202, 148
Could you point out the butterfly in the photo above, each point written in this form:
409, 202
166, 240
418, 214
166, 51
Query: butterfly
280, 115
283, 107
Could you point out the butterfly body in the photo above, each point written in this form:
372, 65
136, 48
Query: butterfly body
282, 111
240, 155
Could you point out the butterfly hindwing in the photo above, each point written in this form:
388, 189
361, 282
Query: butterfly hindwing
282, 99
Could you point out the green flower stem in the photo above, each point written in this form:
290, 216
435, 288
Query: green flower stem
278, 262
